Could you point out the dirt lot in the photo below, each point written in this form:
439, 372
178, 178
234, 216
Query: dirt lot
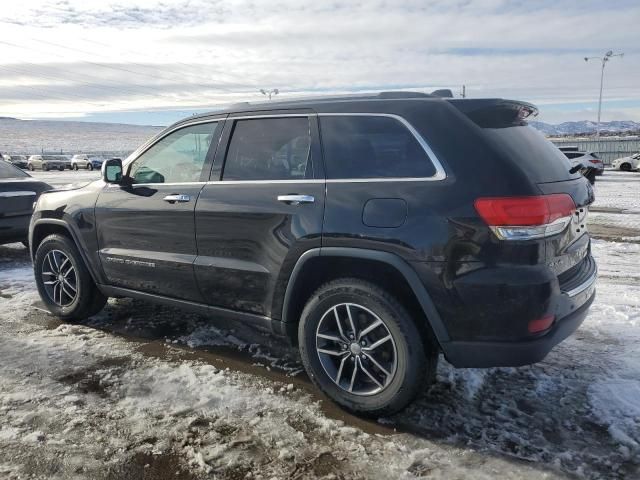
142, 391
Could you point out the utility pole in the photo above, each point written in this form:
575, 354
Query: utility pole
268, 93
464, 91
604, 59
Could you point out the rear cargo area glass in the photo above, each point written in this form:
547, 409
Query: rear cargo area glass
537, 156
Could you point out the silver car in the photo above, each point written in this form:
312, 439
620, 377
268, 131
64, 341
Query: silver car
48, 162
85, 161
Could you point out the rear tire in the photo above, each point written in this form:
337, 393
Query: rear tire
61, 169
76, 296
75, 167
30, 167
625, 167
89, 166
45, 168
402, 365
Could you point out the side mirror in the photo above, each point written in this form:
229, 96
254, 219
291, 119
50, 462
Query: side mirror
112, 170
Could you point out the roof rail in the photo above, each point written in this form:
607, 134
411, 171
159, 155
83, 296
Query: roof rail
239, 104
391, 95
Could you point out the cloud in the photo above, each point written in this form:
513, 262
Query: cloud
148, 54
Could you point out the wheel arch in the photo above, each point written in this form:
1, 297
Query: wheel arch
383, 268
44, 227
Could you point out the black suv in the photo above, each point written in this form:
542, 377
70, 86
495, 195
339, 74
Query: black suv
374, 232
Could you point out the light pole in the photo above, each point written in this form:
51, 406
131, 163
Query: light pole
268, 93
604, 59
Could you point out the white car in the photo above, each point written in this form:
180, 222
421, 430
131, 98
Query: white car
626, 164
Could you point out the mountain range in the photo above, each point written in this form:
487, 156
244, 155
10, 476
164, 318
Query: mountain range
55, 136
586, 127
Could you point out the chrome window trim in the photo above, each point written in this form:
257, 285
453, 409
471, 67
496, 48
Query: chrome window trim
117, 185
438, 176
242, 182
432, 157
272, 115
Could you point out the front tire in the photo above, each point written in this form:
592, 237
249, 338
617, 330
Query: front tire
64, 283
30, 167
89, 166
75, 167
625, 167
379, 368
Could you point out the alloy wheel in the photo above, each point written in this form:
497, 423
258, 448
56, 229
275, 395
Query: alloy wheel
59, 278
356, 349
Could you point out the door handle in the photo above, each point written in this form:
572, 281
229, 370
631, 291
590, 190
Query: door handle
177, 198
296, 199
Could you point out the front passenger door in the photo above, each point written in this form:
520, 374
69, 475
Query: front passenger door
146, 231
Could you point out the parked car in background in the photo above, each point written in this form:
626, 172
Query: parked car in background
359, 228
627, 164
18, 191
591, 165
19, 161
48, 162
86, 161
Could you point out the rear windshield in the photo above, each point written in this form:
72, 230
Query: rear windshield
7, 170
538, 157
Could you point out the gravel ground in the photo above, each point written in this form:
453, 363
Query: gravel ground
143, 391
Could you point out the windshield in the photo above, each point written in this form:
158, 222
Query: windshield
7, 170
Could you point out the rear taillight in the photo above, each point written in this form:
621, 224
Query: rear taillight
595, 161
526, 218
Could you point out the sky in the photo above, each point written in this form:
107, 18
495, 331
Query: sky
154, 62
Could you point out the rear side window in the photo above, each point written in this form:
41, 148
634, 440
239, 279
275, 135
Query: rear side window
371, 147
269, 149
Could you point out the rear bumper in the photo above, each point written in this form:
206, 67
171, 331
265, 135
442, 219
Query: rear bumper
516, 354
487, 312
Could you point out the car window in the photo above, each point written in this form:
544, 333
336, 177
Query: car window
269, 149
372, 147
8, 170
177, 158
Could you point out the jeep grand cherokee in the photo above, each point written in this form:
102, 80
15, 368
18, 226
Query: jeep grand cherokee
373, 232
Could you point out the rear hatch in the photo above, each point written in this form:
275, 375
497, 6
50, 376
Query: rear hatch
503, 123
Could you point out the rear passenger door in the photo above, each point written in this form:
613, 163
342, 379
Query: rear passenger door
262, 209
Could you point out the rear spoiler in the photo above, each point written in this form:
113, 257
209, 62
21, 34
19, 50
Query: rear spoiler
496, 112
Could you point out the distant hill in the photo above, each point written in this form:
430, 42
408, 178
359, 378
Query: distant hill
586, 127
34, 136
